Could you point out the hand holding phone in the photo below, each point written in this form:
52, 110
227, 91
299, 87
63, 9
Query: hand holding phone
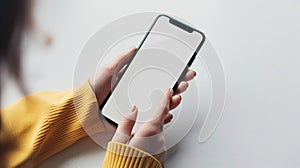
106, 77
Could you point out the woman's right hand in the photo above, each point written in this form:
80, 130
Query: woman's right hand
149, 136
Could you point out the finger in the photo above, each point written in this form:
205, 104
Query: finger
189, 75
181, 87
164, 107
123, 58
123, 132
167, 99
175, 101
168, 119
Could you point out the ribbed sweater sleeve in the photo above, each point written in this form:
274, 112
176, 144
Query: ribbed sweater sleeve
43, 124
120, 155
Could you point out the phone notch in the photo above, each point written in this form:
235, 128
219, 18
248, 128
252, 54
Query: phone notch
181, 25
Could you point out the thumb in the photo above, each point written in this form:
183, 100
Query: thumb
123, 132
123, 58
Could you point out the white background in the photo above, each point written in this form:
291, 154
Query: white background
258, 43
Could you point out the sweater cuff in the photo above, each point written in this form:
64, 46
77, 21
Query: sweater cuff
126, 156
87, 109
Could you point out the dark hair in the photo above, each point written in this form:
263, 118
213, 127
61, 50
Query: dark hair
15, 17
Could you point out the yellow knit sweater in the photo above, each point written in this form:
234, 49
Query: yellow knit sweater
43, 124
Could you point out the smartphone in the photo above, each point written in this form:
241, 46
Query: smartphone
161, 61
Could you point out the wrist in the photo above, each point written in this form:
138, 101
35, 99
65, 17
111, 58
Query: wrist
92, 84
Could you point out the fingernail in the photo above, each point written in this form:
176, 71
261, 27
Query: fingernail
133, 47
180, 97
132, 108
171, 91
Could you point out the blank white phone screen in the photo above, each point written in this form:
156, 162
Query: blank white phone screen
157, 65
